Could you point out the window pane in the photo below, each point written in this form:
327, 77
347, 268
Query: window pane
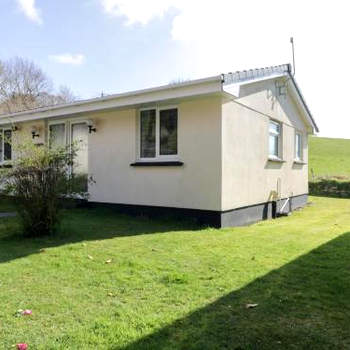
57, 135
274, 138
273, 145
1, 154
168, 131
274, 128
298, 146
148, 133
7, 144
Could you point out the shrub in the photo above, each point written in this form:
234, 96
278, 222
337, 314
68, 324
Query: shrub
330, 187
39, 180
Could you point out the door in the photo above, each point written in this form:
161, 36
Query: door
79, 138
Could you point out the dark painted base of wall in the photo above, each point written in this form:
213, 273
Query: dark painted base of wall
258, 212
235, 217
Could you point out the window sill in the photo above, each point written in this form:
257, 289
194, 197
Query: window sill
158, 163
5, 165
276, 160
300, 162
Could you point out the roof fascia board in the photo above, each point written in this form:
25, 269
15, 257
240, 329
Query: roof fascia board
128, 100
301, 101
300, 106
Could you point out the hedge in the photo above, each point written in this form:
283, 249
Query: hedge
330, 187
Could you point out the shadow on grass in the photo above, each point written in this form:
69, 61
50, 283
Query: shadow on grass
302, 305
83, 225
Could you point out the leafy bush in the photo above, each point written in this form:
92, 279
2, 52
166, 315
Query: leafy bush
39, 179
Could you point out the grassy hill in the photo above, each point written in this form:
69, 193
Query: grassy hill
329, 157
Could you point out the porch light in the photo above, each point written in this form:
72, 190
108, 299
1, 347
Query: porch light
91, 125
35, 132
281, 88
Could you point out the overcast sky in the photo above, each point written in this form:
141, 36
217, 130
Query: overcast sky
119, 45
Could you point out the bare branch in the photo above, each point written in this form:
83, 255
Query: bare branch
23, 85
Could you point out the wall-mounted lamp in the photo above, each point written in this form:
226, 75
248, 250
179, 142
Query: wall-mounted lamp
91, 126
281, 88
35, 132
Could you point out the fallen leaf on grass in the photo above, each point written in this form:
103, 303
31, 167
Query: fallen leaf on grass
90, 257
110, 294
27, 312
108, 261
21, 312
22, 346
251, 306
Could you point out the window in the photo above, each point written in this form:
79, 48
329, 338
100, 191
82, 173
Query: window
5, 145
148, 133
158, 133
274, 139
298, 146
168, 131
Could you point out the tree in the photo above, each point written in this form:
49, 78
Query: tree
23, 85
39, 180
178, 81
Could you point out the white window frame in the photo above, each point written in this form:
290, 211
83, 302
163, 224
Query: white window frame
2, 160
158, 156
279, 144
296, 158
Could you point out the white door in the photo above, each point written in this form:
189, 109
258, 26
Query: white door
79, 137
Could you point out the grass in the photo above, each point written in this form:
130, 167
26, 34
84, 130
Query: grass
6, 205
170, 285
329, 157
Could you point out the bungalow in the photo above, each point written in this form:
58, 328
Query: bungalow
230, 149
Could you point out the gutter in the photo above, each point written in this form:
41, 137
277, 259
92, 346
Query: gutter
123, 100
99, 100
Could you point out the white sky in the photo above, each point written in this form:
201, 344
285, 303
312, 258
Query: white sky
223, 35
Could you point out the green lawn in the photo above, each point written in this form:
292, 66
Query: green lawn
329, 157
172, 286
6, 205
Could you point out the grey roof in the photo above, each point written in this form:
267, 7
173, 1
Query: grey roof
251, 74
